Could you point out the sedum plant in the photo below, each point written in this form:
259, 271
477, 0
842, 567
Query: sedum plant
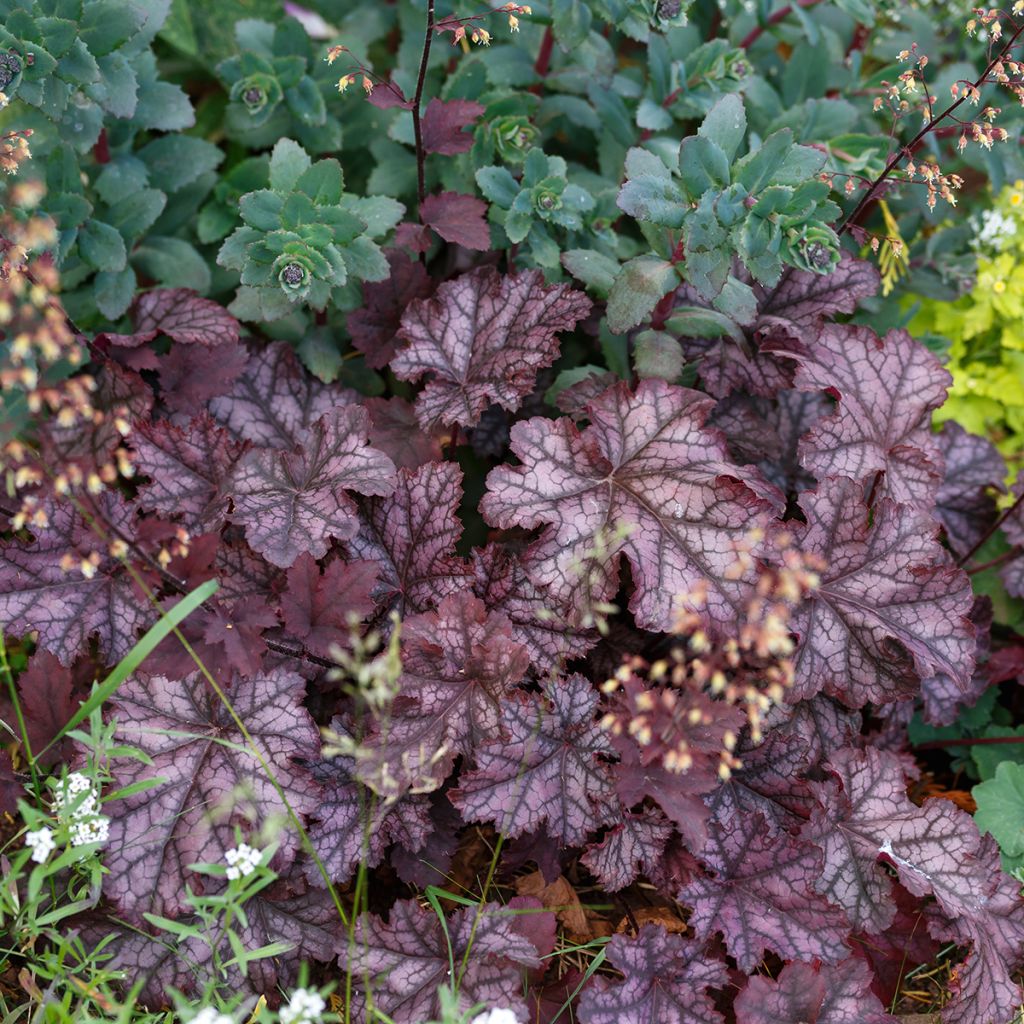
303, 239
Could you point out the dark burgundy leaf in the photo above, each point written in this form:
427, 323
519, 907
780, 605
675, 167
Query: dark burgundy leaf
210, 777
291, 502
317, 608
274, 402
411, 535
632, 847
887, 389
49, 698
66, 605
12, 787
458, 663
813, 994
394, 430
537, 622
354, 826
458, 219
188, 468
481, 339
375, 326
408, 959
890, 610
545, 769
185, 317
965, 503
645, 480
762, 896
801, 301
443, 123
226, 639
666, 982
190, 376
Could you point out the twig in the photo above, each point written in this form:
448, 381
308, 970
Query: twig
916, 141
992, 563
977, 741
992, 529
421, 187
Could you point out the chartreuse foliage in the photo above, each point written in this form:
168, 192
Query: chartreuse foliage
575, 579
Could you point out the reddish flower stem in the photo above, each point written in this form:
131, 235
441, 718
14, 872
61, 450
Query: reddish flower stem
780, 15
428, 34
978, 741
547, 44
992, 529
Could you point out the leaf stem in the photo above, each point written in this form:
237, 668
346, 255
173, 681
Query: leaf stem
780, 15
428, 34
977, 741
991, 530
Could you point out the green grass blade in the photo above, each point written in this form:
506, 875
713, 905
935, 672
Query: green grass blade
167, 623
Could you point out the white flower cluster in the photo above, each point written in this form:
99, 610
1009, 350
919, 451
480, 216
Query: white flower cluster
305, 1007
499, 1015
41, 844
208, 1015
996, 229
77, 805
242, 860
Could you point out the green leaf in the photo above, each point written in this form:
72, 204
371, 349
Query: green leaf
570, 21
702, 165
639, 286
102, 246
1000, 811
699, 322
593, 268
288, 162
726, 124
306, 102
114, 291
654, 199
498, 185
163, 107
657, 354
136, 213
757, 170
177, 160
262, 209
323, 182
173, 262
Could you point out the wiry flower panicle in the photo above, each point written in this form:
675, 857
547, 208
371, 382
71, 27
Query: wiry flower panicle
689, 706
14, 147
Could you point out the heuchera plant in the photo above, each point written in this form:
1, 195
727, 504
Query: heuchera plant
642, 587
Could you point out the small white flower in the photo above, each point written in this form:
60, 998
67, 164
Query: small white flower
499, 1015
41, 844
90, 830
304, 1007
208, 1015
75, 798
242, 861
996, 229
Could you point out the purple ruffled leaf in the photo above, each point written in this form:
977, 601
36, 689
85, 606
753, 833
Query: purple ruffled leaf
407, 960
812, 994
188, 468
291, 502
411, 535
887, 389
274, 401
632, 847
66, 606
481, 339
666, 981
964, 503
645, 480
545, 769
203, 760
890, 610
761, 896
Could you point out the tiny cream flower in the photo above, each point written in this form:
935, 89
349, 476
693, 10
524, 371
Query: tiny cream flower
41, 843
305, 1007
91, 830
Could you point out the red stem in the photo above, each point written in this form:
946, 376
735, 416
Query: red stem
428, 34
992, 529
547, 44
101, 151
780, 15
979, 741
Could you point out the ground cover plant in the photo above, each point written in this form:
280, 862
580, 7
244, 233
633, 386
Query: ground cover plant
511, 512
